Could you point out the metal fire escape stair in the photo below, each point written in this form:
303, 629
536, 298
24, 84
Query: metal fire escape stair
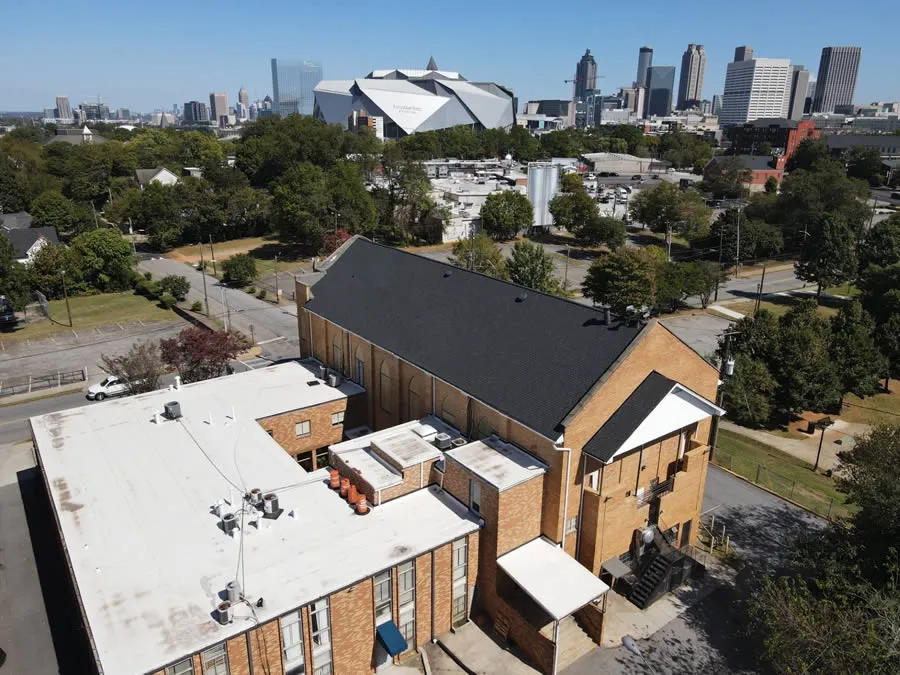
655, 579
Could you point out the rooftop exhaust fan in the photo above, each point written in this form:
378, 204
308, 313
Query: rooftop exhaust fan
173, 410
443, 441
225, 612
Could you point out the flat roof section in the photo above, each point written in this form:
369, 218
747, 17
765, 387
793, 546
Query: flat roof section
408, 448
499, 463
370, 466
553, 579
134, 501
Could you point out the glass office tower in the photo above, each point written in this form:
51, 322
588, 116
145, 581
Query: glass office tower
293, 83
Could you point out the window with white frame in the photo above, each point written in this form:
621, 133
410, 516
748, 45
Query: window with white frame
383, 598
360, 372
292, 643
406, 599
571, 524
185, 667
337, 418
214, 660
321, 637
302, 428
460, 580
475, 495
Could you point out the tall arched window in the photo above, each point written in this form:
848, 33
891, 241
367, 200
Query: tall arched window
445, 413
337, 353
413, 400
484, 428
385, 386
359, 368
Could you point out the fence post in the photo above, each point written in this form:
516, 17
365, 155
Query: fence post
758, 467
29, 384
58, 379
830, 504
84, 374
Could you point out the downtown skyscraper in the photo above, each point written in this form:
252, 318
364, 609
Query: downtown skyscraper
836, 79
63, 108
218, 108
293, 85
690, 86
756, 88
585, 75
660, 86
645, 60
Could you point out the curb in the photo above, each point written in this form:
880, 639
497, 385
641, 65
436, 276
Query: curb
16, 399
774, 494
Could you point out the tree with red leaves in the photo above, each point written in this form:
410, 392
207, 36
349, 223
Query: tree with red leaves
199, 354
332, 241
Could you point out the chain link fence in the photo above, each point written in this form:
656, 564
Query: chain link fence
761, 475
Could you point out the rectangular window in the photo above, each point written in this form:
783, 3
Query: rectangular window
214, 660
572, 525
406, 597
185, 667
383, 598
460, 580
360, 372
271, 433
337, 418
302, 428
292, 642
305, 459
475, 495
321, 637
322, 458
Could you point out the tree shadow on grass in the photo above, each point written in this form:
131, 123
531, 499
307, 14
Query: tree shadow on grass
285, 252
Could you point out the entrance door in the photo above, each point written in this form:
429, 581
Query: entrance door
686, 533
382, 658
653, 515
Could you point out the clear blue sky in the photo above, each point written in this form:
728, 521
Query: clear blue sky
152, 54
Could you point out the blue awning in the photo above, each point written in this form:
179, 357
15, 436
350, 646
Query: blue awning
391, 639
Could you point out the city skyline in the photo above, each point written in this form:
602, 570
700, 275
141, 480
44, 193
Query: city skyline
154, 73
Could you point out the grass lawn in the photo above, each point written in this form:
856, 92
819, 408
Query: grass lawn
778, 305
877, 409
782, 473
264, 249
848, 290
89, 311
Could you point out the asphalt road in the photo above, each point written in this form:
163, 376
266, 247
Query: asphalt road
273, 327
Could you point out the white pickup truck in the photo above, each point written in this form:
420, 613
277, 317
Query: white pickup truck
110, 386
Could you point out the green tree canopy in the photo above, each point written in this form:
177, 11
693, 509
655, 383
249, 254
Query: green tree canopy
239, 269
479, 254
668, 209
750, 392
577, 213
828, 256
530, 265
864, 162
571, 182
881, 245
300, 206
51, 209
505, 214
853, 348
105, 259
808, 152
620, 279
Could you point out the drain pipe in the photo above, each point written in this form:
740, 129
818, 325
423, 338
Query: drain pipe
568, 452
555, 647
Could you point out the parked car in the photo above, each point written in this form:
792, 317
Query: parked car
604, 174
655, 176
111, 386
636, 177
895, 195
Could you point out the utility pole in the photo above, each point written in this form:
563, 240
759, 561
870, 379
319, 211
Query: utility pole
96, 224
566, 276
719, 275
471, 246
737, 247
277, 297
62, 273
212, 254
726, 369
819, 451
203, 273
131, 232
759, 288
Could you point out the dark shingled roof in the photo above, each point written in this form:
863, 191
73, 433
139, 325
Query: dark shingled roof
628, 416
15, 221
528, 355
22, 240
749, 162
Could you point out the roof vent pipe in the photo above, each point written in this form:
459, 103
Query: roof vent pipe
178, 382
156, 418
606, 316
233, 590
225, 612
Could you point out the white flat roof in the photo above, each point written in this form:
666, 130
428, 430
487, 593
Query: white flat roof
501, 464
134, 504
553, 579
375, 470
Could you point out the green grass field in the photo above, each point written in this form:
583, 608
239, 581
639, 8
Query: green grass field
782, 473
877, 409
89, 311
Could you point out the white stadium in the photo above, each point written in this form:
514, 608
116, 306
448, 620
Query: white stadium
396, 103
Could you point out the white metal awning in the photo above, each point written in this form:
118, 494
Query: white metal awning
553, 579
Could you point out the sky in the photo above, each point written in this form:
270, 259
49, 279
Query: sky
152, 55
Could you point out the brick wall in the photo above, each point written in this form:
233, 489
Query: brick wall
322, 433
443, 589
238, 658
265, 649
590, 618
414, 478
423, 600
353, 629
519, 518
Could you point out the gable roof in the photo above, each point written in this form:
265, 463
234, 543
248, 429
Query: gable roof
15, 221
146, 176
748, 162
528, 355
623, 430
24, 239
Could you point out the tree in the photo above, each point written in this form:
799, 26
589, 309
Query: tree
863, 162
350, 202
621, 279
176, 286
666, 208
758, 240
685, 150
806, 375
158, 212
881, 245
828, 256
14, 277
807, 153
199, 354
771, 186
880, 287
239, 269
571, 182
105, 259
725, 178
757, 337
332, 241
887, 336
51, 209
701, 279
141, 366
599, 230
46, 267
854, 351
300, 206
577, 213
505, 214
749, 393
530, 265
807, 196
479, 254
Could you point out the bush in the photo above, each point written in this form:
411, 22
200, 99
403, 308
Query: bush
251, 290
148, 276
239, 269
262, 294
197, 306
175, 285
167, 301
201, 265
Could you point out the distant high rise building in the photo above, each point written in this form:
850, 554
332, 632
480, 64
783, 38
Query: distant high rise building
49, 113
645, 60
254, 112
690, 86
756, 88
660, 90
836, 79
633, 99
195, 112
218, 107
810, 95
716, 104
799, 87
268, 103
123, 114
63, 109
744, 53
585, 75
244, 97
90, 111
293, 83
706, 107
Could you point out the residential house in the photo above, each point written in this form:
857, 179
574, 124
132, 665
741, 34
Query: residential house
159, 175
15, 221
26, 242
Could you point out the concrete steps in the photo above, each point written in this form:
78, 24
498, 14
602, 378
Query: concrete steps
573, 642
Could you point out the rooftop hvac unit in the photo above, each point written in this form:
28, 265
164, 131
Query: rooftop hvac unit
270, 503
233, 591
225, 612
173, 410
334, 379
443, 441
229, 523
256, 496
323, 372
459, 442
